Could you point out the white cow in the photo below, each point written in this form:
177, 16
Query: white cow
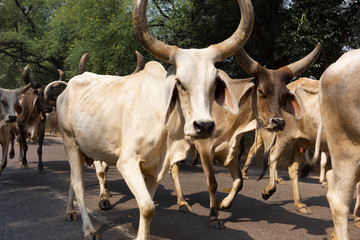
9, 107
339, 108
138, 122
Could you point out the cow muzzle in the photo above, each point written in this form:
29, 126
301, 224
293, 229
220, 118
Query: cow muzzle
277, 124
11, 118
204, 129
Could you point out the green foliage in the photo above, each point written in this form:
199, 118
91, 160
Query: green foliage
53, 34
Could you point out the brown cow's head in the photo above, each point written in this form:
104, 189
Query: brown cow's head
193, 81
269, 91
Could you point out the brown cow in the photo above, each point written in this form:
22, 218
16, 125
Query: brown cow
31, 123
8, 108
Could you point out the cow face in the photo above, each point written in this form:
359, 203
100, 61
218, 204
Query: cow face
9, 105
269, 92
193, 79
272, 95
196, 83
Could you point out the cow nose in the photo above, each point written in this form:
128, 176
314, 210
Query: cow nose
278, 123
12, 118
204, 127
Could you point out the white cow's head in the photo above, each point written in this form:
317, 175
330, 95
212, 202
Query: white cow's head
9, 100
193, 79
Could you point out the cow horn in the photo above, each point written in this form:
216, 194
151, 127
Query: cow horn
148, 41
27, 79
24, 89
82, 63
249, 65
61, 75
166, 52
231, 45
140, 62
303, 64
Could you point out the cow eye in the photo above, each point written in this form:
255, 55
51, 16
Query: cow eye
261, 93
3, 102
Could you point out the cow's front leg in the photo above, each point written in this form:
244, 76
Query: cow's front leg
207, 159
234, 169
70, 214
357, 207
181, 202
294, 177
251, 155
12, 150
101, 172
23, 150
3, 164
131, 172
275, 153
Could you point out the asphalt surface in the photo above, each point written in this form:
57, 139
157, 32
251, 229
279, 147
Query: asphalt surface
32, 205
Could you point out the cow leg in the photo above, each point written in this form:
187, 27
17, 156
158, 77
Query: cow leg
181, 202
323, 161
5, 147
76, 161
41, 134
70, 214
294, 177
207, 162
23, 149
275, 153
251, 156
12, 150
101, 172
357, 207
235, 172
131, 172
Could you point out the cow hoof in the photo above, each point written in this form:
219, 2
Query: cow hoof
333, 236
185, 208
92, 236
216, 223
357, 223
71, 216
41, 171
11, 155
105, 204
280, 181
24, 166
324, 185
304, 210
245, 177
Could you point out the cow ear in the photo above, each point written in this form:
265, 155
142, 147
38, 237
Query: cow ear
171, 93
291, 104
223, 94
247, 93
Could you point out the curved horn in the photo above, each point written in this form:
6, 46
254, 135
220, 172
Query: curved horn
140, 62
231, 45
26, 74
249, 65
148, 41
24, 89
303, 64
61, 75
82, 63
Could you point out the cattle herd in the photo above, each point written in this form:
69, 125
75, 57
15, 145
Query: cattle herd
149, 121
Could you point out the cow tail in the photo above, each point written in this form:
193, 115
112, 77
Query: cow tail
304, 172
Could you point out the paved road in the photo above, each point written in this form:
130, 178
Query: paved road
32, 205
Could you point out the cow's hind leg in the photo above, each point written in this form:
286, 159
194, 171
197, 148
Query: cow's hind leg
294, 177
181, 202
41, 134
131, 172
23, 150
76, 161
341, 184
101, 172
70, 214
12, 150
